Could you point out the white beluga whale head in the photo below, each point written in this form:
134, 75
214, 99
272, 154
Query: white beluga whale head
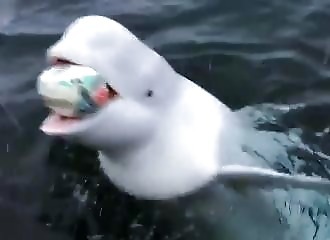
161, 136
114, 52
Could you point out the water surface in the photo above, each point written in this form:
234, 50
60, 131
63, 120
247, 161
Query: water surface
247, 53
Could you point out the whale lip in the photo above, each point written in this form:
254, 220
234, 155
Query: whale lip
56, 124
60, 61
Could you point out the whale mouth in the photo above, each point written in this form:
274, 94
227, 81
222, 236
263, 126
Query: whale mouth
57, 124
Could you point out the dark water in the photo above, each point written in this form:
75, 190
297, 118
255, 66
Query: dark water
245, 52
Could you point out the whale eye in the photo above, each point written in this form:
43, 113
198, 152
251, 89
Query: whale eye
149, 93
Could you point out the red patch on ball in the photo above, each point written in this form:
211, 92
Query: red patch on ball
101, 96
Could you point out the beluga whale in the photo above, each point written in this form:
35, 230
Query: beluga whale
159, 135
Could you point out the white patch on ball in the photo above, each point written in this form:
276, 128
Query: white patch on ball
61, 88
